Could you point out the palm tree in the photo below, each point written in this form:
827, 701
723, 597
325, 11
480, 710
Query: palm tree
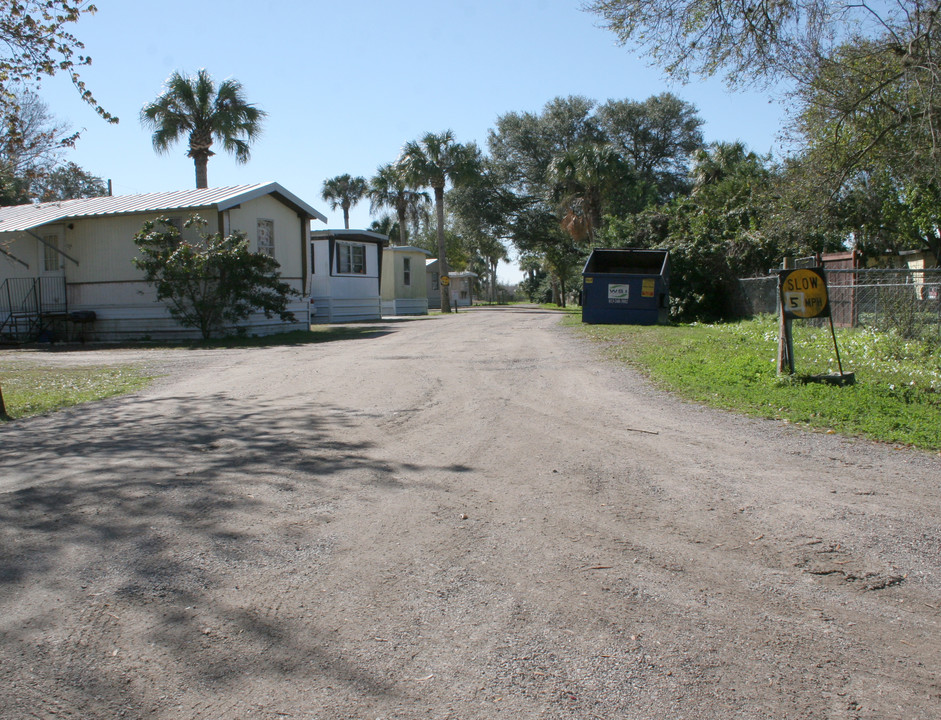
432, 161
717, 161
491, 251
344, 192
583, 178
193, 106
384, 226
389, 188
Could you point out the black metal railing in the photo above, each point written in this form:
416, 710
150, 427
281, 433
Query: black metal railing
26, 304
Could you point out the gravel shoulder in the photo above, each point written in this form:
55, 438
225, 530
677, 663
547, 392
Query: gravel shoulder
468, 516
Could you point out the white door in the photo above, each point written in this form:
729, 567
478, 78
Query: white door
52, 271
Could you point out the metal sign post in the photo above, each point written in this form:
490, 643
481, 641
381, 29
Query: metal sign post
803, 294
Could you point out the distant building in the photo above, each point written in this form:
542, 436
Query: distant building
461, 287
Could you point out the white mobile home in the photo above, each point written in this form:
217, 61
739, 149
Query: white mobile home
403, 281
73, 259
345, 267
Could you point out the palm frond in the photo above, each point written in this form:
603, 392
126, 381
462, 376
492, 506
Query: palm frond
193, 106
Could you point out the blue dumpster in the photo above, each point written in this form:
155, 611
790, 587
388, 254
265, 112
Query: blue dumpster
626, 287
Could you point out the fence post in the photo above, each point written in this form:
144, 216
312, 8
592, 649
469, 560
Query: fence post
785, 343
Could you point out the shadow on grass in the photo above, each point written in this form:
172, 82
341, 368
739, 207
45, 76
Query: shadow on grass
317, 335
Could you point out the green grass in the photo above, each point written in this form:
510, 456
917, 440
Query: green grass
36, 390
896, 398
572, 310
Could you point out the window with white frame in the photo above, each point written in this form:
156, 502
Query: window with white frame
52, 262
351, 258
266, 237
406, 271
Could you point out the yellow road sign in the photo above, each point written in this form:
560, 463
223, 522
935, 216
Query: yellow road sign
445, 281
804, 293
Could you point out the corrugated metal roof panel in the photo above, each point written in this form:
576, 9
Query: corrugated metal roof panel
26, 217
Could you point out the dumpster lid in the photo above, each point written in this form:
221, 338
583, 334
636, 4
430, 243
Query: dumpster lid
627, 261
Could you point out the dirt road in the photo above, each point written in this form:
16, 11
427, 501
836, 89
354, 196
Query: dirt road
461, 517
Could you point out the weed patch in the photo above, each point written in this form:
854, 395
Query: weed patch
896, 398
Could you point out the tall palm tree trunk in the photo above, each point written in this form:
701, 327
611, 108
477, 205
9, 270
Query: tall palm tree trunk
200, 142
400, 211
442, 254
202, 171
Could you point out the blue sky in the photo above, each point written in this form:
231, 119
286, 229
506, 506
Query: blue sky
345, 84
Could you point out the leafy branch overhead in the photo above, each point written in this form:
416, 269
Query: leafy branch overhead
36, 42
863, 77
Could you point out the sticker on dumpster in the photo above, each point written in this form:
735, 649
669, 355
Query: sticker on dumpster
618, 294
648, 289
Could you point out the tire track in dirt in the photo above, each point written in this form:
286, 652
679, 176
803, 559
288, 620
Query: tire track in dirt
466, 517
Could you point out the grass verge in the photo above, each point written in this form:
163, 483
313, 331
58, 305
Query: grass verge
896, 398
36, 390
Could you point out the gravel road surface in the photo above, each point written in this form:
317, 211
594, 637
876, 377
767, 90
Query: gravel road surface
465, 517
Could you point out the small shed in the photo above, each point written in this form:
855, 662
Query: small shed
403, 281
626, 287
461, 287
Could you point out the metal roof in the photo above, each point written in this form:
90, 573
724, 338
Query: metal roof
26, 217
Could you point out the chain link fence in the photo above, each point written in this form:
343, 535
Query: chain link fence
904, 300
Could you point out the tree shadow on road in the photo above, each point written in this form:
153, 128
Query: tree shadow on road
157, 529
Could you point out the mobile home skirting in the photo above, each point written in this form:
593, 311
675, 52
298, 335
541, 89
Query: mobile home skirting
340, 310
